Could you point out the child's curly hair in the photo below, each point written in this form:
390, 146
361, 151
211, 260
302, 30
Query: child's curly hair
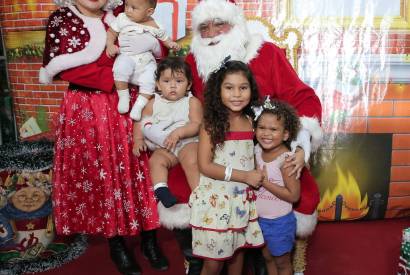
216, 120
283, 111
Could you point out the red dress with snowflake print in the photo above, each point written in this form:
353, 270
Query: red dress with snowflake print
99, 186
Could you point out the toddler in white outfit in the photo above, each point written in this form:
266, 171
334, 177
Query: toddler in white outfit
139, 68
170, 126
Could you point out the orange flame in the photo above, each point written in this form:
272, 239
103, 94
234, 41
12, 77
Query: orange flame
353, 207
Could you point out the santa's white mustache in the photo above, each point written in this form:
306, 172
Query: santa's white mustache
212, 41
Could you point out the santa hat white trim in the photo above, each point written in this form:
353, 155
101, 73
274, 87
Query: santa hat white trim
175, 217
312, 125
305, 224
89, 54
211, 9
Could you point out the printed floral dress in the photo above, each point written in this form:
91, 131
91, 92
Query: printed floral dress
224, 215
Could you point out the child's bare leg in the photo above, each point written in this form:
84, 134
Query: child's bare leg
139, 104
284, 264
270, 261
188, 158
235, 265
212, 267
123, 96
160, 162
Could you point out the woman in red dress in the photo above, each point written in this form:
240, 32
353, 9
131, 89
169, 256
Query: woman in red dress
99, 186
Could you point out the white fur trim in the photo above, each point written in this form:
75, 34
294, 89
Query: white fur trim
44, 77
252, 48
313, 126
211, 9
305, 224
175, 217
89, 54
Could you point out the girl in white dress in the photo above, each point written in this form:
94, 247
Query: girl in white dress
223, 216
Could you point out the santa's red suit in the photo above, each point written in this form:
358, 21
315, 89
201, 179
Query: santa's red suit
99, 186
275, 77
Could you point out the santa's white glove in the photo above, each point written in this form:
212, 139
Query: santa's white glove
303, 141
130, 44
157, 133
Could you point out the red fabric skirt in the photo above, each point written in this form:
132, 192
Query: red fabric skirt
99, 186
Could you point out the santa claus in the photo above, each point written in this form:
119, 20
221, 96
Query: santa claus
220, 29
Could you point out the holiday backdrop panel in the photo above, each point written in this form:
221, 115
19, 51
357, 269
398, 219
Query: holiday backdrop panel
355, 54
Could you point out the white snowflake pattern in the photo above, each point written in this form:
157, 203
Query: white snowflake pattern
71, 196
140, 196
120, 148
63, 32
87, 186
99, 147
73, 157
103, 174
134, 224
83, 170
57, 202
87, 114
61, 118
75, 107
96, 164
56, 21
75, 21
99, 229
142, 163
91, 221
79, 210
71, 122
127, 206
117, 194
74, 42
106, 216
66, 230
136, 211
64, 214
109, 203
83, 141
146, 212
140, 176
69, 142
78, 185
60, 144
121, 166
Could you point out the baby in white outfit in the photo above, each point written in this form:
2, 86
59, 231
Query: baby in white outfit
139, 68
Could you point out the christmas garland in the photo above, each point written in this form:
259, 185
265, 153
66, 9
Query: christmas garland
74, 249
26, 156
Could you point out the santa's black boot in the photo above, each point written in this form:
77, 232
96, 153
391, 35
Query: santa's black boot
122, 257
184, 238
151, 250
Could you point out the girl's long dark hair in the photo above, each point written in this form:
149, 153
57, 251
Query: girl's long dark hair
216, 120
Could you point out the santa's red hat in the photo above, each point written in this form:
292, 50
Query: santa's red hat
207, 10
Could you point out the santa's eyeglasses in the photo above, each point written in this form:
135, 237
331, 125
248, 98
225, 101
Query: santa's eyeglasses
214, 26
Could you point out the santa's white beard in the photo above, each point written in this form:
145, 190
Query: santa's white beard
209, 58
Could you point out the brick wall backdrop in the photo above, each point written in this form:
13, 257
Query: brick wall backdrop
390, 115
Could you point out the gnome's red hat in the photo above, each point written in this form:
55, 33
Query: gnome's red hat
207, 10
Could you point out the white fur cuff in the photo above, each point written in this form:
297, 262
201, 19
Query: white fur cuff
312, 125
305, 224
44, 77
175, 217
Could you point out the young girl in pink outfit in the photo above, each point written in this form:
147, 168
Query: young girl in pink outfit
223, 216
276, 126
